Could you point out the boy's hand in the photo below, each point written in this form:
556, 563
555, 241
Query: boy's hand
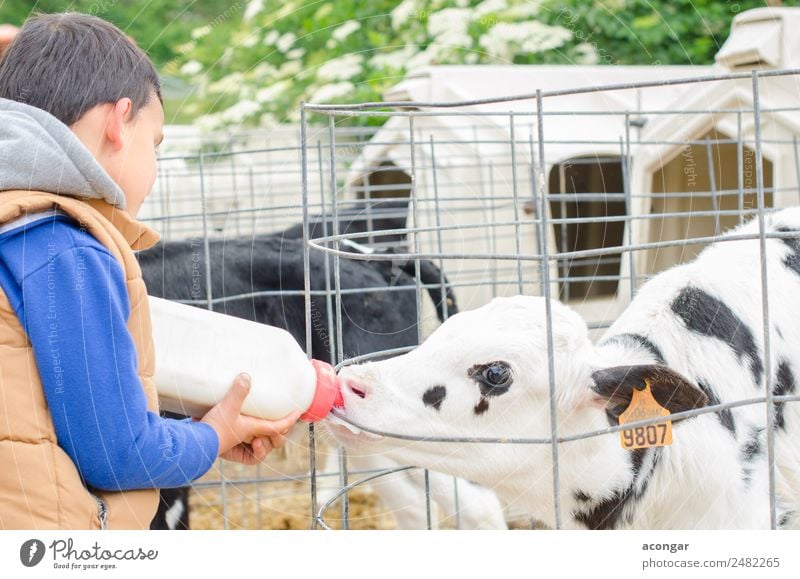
243, 438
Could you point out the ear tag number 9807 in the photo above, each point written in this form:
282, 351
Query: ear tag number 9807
643, 407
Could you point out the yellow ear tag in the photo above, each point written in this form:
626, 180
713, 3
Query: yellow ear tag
643, 407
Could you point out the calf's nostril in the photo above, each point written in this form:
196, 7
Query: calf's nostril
357, 389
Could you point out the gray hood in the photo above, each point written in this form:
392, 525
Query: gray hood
40, 153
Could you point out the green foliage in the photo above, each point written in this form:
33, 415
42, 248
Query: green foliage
253, 61
280, 54
158, 26
647, 32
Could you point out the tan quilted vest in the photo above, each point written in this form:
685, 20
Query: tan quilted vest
40, 487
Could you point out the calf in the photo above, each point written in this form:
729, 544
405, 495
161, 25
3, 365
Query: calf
695, 332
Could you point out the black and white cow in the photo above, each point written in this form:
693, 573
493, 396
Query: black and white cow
694, 331
373, 319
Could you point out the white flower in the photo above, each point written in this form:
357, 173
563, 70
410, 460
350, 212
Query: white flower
285, 42
227, 84
200, 32
432, 55
269, 93
191, 68
330, 92
271, 37
586, 53
250, 40
448, 21
505, 40
490, 7
345, 30
402, 13
227, 54
342, 68
289, 68
396, 59
253, 8
240, 111
208, 123
262, 72
296, 53
523, 9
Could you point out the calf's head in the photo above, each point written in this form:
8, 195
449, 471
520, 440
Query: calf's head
485, 373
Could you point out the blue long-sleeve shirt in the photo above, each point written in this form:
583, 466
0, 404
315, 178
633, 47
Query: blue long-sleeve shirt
69, 293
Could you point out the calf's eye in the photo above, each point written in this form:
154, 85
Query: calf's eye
497, 374
493, 378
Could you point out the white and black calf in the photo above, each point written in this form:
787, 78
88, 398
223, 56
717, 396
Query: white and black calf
696, 331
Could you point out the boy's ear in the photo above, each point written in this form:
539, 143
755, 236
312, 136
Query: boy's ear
614, 388
115, 126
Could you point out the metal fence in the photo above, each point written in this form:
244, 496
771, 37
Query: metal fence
481, 190
501, 215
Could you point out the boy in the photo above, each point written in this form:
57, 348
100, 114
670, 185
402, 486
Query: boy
81, 442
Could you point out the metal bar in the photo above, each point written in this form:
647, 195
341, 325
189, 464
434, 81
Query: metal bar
492, 237
563, 266
456, 503
328, 295
739, 165
712, 183
337, 284
629, 203
312, 465
765, 308
348, 487
539, 94
210, 306
437, 212
571, 438
561, 255
428, 499
796, 166
515, 195
545, 281
413, 196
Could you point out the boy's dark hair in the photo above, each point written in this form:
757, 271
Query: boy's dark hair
68, 63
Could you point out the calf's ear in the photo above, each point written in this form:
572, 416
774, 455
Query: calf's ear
614, 388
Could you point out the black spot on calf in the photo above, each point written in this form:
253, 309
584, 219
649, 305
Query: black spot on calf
608, 513
725, 416
706, 315
750, 451
581, 497
434, 396
481, 407
752, 446
792, 259
784, 385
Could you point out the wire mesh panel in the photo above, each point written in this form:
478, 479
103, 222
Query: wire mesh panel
580, 195
231, 216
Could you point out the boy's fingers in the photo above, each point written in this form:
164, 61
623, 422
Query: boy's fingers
277, 441
285, 424
261, 448
234, 397
269, 428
